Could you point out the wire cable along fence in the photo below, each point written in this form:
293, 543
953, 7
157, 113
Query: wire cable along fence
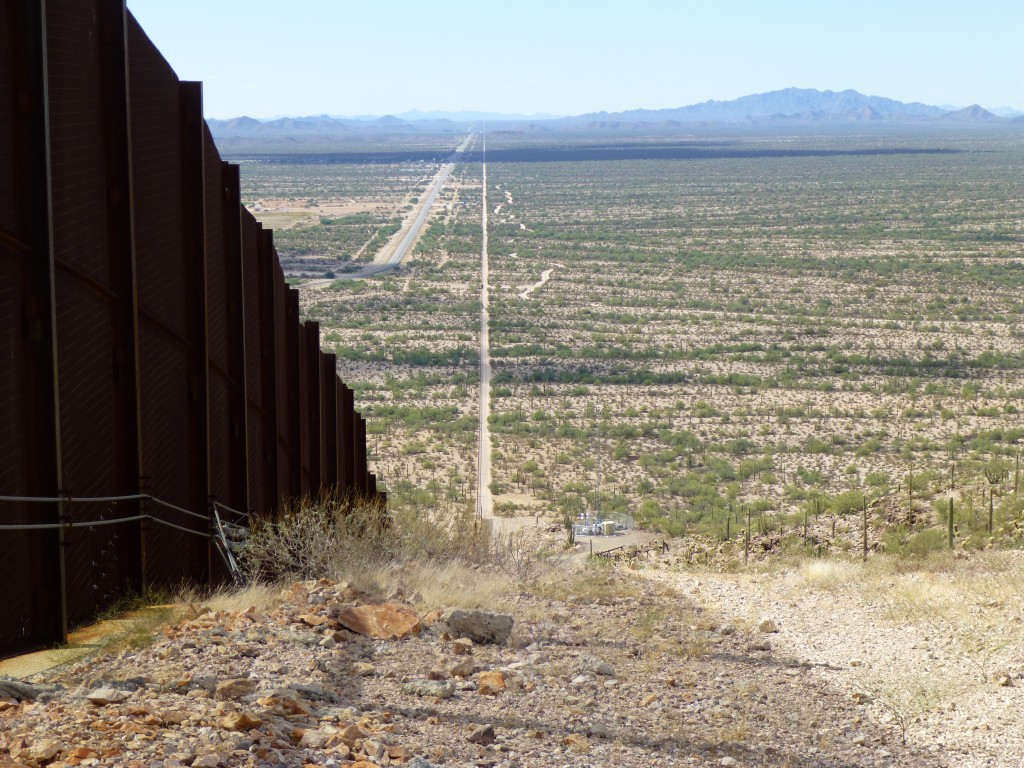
154, 358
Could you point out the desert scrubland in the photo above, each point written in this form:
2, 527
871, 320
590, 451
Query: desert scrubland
762, 328
793, 354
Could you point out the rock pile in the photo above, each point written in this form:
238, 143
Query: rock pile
329, 677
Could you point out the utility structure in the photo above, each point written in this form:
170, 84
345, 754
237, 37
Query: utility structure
152, 361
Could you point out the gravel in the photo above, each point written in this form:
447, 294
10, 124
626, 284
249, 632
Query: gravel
622, 671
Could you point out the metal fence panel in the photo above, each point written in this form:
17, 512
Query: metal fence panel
15, 617
95, 324
329, 420
358, 444
148, 337
302, 422
170, 380
253, 381
292, 365
217, 325
314, 430
282, 376
266, 260
347, 468
238, 352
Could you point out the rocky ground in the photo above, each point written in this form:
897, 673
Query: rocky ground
603, 668
937, 658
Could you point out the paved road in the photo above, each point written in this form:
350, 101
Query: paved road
393, 254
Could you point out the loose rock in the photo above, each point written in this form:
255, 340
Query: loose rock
236, 689
442, 689
11, 688
482, 735
767, 626
103, 696
480, 627
491, 683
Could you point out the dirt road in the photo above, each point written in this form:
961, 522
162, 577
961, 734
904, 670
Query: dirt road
485, 501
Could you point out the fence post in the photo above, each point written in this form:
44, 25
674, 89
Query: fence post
37, 558
293, 333
329, 423
267, 351
237, 352
196, 301
314, 424
348, 472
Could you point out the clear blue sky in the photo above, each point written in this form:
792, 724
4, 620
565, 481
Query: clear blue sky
348, 57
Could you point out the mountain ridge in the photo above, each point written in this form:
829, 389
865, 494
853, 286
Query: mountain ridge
775, 108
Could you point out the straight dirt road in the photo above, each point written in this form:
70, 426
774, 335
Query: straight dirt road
485, 502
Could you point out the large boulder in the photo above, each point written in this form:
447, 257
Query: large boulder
480, 626
382, 622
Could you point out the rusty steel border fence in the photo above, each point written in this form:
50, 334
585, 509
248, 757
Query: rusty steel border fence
153, 366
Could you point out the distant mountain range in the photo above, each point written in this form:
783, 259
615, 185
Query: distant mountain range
790, 106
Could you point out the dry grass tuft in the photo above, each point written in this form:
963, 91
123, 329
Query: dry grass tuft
434, 584
828, 574
232, 600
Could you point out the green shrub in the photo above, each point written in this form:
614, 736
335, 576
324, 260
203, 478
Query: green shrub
877, 479
847, 502
925, 542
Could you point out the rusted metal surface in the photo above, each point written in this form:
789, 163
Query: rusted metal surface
348, 467
254, 415
292, 366
329, 421
282, 381
218, 329
313, 454
234, 293
94, 276
167, 195
32, 610
151, 345
266, 260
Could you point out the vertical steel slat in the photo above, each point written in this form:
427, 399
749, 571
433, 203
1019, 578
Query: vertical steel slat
32, 566
268, 366
301, 422
315, 436
167, 238
282, 377
196, 299
329, 423
236, 339
96, 328
347, 467
218, 425
362, 471
293, 371
254, 415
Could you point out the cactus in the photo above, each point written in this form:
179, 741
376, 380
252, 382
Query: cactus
865, 529
949, 524
746, 538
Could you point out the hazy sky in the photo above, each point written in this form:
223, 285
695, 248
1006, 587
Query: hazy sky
349, 57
